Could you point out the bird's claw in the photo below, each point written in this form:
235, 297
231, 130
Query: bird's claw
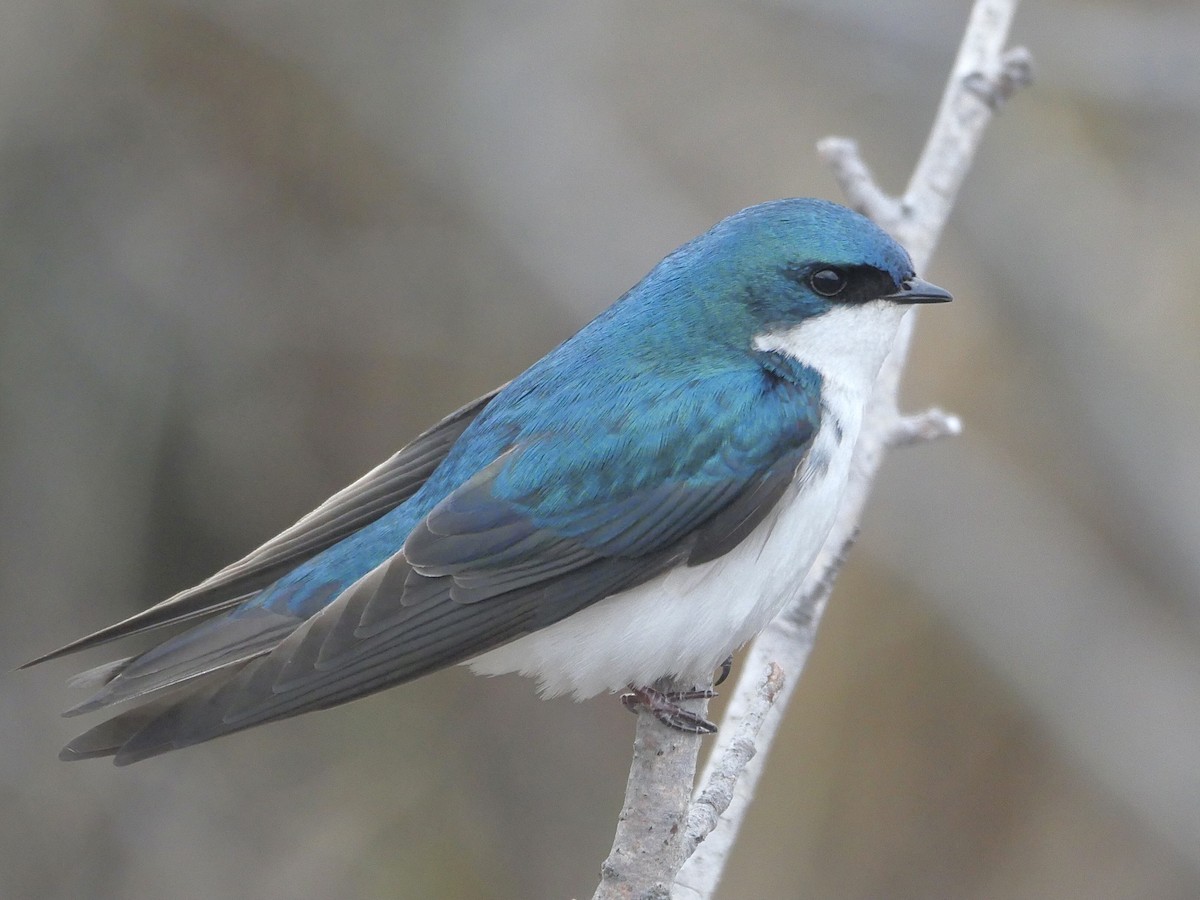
725, 669
665, 707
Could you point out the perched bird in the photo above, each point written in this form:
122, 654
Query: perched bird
636, 505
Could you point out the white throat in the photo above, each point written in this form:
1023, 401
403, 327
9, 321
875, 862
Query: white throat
846, 345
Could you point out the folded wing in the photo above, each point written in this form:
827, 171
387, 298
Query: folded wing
534, 536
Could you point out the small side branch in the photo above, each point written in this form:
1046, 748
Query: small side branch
857, 183
1015, 71
921, 427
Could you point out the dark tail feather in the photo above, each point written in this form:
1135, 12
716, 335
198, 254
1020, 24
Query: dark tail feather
112, 735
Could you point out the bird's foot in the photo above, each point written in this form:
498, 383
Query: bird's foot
664, 706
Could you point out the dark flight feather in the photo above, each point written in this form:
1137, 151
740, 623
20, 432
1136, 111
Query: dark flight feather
382, 489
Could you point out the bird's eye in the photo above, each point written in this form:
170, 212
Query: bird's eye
828, 282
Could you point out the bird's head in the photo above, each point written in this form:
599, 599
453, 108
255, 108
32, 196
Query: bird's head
791, 260
807, 278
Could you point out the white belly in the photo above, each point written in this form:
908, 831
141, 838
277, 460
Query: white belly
686, 621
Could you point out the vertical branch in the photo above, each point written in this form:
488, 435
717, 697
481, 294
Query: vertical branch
646, 851
983, 77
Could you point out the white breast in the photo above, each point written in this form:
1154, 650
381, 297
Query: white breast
685, 622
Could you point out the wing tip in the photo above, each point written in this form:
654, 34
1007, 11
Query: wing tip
64, 650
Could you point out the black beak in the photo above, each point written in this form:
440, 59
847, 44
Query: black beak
918, 290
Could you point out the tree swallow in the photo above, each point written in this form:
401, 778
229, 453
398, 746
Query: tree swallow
636, 505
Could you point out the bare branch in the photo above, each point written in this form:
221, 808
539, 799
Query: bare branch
646, 851
718, 790
957, 130
962, 117
984, 76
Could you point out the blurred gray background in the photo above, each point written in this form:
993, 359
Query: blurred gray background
250, 247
